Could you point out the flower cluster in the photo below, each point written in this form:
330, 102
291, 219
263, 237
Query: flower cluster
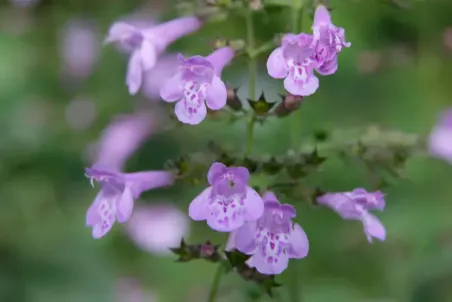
259, 226
301, 54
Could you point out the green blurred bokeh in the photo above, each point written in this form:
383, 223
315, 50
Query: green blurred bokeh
398, 74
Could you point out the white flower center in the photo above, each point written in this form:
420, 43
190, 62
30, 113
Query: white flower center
194, 95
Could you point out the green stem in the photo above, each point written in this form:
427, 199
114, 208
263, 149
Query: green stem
249, 135
252, 77
216, 283
261, 49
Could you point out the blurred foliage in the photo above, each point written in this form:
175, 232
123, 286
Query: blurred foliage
397, 75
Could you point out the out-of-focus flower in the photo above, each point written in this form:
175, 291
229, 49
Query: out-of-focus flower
146, 44
154, 79
80, 114
129, 289
447, 39
273, 239
24, 3
300, 54
229, 202
368, 62
118, 192
80, 47
440, 140
197, 83
355, 205
123, 136
157, 227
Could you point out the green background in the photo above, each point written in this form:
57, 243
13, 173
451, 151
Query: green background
398, 74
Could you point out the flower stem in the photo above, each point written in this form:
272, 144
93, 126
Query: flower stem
249, 136
216, 283
252, 77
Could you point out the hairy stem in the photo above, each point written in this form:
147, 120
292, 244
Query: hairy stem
215, 284
252, 78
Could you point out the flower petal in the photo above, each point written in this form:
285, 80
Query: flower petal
148, 55
439, 144
230, 245
198, 209
228, 223
299, 243
270, 196
220, 58
328, 68
101, 215
245, 238
304, 89
187, 117
254, 205
124, 206
268, 265
92, 215
342, 204
118, 31
140, 182
240, 173
168, 32
321, 16
275, 64
215, 171
134, 76
171, 91
373, 228
216, 94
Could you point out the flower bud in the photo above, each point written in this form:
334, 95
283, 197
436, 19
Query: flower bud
261, 107
289, 104
233, 100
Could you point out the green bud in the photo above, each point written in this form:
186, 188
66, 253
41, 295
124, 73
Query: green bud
261, 107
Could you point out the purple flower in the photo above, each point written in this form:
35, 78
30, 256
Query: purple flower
356, 205
273, 239
118, 192
156, 227
123, 136
299, 55
229, 202
197, 81
165, 68
295, 61
328, 41
440, 140
146, 44
79, 48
